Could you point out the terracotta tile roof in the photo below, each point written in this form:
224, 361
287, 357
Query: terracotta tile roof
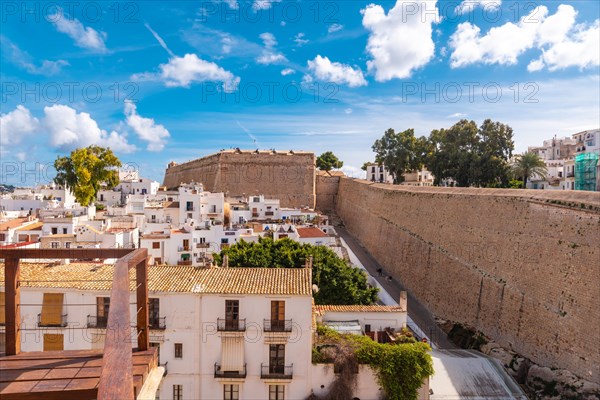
13, 223
357, 308
164, 278
310, 232
32, 227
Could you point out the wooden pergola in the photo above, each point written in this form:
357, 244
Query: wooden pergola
55, 374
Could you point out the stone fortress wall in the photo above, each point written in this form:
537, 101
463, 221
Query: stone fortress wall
288, 176
521, 266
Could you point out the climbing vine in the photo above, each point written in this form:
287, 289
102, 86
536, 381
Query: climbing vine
400, 367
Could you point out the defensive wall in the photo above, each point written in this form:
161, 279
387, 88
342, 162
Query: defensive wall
521, 266
288, 176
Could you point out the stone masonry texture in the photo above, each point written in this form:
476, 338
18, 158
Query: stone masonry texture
287, 176
521, 266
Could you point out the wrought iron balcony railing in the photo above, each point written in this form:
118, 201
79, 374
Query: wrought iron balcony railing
93, 321
277, 325
158, 323
276, 371
61, 324
219, 373
231, 325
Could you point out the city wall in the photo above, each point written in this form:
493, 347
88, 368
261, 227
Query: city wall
288, 176
521, 266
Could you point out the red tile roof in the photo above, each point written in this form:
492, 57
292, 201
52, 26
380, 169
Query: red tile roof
310, 232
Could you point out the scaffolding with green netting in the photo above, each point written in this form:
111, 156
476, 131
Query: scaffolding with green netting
585, 171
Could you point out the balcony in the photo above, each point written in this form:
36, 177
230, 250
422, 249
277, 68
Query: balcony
190, 209
276, 371
255, 215
275, 325
158, 323
231, 325
61, 324
219, 373
94, 321
269, 213
202, 245
184, 262
570, 174
183, 248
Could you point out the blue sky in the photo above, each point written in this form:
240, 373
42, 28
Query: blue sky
162, 81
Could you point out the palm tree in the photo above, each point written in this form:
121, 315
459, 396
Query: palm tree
527, 164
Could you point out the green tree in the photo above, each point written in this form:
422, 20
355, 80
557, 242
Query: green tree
400, 152
86, 170
471, 155
328, 161
527, 164
338, 282
365, 165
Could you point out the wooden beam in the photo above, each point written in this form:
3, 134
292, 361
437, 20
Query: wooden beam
65, 253
116, 378
12, 310
141, 281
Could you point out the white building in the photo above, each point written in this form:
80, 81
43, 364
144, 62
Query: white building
222, 333
378, 173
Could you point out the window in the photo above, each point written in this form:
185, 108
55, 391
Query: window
231, 392
67, 245
156, 345
54, 231
64, 231
102, 307
52, 307
186, 244
177, 392
256, 200
276, 392
53, 341
373, 169
190, 206
55, 245
156, 245
2, 237
178, 350
154, 312
224, 240
276, 358
202, 240
232, 314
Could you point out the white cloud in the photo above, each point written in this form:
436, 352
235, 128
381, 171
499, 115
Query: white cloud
269, 55
457, 115
334, 28
69, 129
287, 71
263, 4
233, 4
85, 37
147, 130
16, 125
25, 61
299, 39
348, 111
401, 40
189, 69
563, 43
468, 6
325, 70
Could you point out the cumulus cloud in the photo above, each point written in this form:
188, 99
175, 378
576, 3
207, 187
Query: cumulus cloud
300, 40
16, 125
189, 69
563, 43
325, 70
269, 55
287, 71
154, 134
401, 40
69, 129
85, 37
468, 6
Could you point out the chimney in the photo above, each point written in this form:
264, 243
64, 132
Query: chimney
403, 301
225, 261
309, 262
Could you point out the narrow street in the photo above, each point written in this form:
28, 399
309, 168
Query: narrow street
416, 311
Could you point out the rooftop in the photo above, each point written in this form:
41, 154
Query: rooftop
358, 308
165, 278
310, 232
13, 223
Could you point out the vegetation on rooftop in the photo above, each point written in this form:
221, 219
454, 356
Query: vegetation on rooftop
338, 282
400, 366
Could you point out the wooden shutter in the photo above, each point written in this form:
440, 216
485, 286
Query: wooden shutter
2, 308
277, 310
53, 341
232, 354
52, 309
